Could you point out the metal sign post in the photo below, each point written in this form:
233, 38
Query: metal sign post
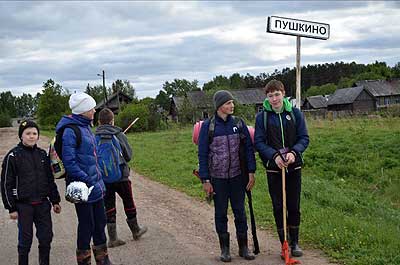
298, 28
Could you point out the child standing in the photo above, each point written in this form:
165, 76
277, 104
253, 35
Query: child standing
27, 189
122, 186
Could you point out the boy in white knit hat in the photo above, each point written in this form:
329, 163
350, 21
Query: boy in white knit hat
80, 162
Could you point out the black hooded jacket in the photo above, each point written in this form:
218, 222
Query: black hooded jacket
26, 177
125, 147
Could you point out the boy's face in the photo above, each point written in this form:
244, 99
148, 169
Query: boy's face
30, 136
275, 98
227, 108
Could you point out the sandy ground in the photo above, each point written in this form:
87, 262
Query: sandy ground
181, 229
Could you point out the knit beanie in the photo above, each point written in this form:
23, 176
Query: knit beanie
25, 125
221, 97
81, 102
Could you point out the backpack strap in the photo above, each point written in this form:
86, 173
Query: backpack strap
211, 129
265, 119
77, 132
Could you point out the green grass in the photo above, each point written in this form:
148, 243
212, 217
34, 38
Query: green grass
350, 192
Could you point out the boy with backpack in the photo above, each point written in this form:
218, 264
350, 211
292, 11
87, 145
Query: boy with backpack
221, 173
81, 165
280, 138
114, 154
27, 189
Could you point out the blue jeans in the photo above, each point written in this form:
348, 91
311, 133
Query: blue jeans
91, 224
231, 190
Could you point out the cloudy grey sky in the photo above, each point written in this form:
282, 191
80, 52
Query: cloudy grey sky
149, 43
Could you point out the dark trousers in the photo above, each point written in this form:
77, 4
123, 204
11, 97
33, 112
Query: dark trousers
293, 190
38, 214
124, 190
229, 190
91, 224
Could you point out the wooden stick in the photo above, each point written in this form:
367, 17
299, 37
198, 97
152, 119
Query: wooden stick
130, 125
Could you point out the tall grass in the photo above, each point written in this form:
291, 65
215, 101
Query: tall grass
350, 192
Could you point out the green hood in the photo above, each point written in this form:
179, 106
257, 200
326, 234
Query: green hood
286, 105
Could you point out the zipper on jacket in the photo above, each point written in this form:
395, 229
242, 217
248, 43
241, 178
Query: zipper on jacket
229, 152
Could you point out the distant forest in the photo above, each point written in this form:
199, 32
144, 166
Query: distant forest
336, 75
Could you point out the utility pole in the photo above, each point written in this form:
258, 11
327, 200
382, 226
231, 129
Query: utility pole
104, 88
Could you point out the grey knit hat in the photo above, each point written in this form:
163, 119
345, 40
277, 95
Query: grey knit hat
221, 97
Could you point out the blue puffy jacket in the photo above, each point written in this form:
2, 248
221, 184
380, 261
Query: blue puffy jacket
81, 163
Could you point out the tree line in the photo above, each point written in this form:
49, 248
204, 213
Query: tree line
52, 102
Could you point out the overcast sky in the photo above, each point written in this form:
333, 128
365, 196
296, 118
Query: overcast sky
149, 43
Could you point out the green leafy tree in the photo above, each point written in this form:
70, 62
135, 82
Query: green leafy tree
162, 100
5, 119
25, 105
97, 92
53, 103
326, 89
237, 82
219, 82
123, 86
7, 104
396, 70
179, 87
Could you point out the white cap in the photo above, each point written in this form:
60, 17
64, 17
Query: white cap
81, 102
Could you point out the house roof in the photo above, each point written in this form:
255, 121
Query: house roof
178, 101
345, 95
111, 97
380, 88
249, 96
199, 99
317, 102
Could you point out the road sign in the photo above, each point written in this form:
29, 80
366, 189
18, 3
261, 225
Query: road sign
296, 27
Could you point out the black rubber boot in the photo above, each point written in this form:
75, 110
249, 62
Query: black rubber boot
136, 230
44, 255
224, 244
84, 257
295, 250
243, 247
23, 259
113, 240
101, 255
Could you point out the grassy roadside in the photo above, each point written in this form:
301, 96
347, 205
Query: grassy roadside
351, 184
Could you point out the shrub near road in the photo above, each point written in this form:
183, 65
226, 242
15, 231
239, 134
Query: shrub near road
350, 197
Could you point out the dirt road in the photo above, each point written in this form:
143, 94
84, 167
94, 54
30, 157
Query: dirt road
181, 229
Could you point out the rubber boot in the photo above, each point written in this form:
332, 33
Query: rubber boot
243, 247
23, 259
101, 255
224, 244
295, 250
44, 255
136, 230
113, 240
83, 256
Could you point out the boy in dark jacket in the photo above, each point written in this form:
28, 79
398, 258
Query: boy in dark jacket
27, 185
280, 138
122, 187
221, 174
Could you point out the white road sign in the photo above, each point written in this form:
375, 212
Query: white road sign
296, 27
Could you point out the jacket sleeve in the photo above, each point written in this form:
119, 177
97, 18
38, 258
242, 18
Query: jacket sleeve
302, 138
203, 151
126, 148
54, 195
8, 182
266, 151
69, 158
251, 159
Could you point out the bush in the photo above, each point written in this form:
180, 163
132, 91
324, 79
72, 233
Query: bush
131, 112
5, 120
